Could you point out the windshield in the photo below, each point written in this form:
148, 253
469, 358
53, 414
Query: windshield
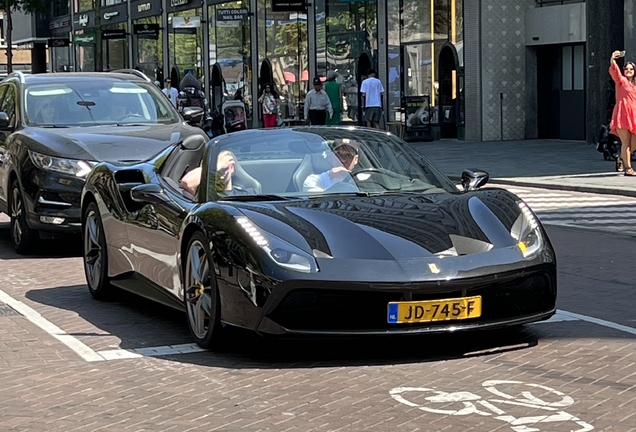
310, 162
96, 101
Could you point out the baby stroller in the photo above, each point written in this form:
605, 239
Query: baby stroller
234, 113
608, 144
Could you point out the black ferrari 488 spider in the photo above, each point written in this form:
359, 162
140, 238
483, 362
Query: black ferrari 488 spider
315, 231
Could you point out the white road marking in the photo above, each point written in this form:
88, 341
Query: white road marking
464, 403
32, 315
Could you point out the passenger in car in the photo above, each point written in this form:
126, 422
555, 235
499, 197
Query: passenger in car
346, 152
225, 166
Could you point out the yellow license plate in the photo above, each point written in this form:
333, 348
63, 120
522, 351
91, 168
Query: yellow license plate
434, 310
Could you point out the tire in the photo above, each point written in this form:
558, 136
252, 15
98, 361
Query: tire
95, 253
201, 295
23, 238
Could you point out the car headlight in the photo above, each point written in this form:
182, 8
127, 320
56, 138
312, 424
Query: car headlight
278, 250
526, 232
74, 167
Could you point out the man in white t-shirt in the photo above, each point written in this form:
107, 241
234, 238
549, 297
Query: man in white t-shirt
170, 92
372, 91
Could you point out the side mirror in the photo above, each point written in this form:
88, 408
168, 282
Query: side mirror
193, 115
474, 179
4, 120
148, 193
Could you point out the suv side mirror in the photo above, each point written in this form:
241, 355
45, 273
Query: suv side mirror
4, 120
474, 179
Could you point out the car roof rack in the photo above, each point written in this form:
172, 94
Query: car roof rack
132, 72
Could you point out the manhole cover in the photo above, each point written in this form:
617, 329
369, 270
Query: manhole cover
7, 311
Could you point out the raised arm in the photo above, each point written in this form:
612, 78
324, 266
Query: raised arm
615, 70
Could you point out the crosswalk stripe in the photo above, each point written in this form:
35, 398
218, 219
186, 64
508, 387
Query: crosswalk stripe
581, 210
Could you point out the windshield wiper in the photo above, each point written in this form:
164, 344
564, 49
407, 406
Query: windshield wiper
53, 126
264, 197
135, 124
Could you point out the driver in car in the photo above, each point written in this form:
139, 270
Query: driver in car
346, 152
225, 166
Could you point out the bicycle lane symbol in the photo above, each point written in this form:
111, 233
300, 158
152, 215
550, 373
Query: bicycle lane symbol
437, 403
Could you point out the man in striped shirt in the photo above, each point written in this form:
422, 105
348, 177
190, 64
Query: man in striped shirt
317, 104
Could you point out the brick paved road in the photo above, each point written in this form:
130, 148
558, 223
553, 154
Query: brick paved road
406, 384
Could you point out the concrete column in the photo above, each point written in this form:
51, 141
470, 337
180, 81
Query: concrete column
605, 33
472, 70
383, 56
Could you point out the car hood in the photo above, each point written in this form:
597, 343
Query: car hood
395, 227
107, 143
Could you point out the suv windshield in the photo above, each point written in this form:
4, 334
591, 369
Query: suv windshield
310, 162
96, 101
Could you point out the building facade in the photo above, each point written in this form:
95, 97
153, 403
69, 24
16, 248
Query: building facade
468, 69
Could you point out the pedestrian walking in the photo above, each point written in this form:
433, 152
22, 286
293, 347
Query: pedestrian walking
317, 104
352, 100
623, 122
372, 91
269, 103
170, 92
334, 91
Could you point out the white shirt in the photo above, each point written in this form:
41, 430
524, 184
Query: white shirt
172, 96
373, 89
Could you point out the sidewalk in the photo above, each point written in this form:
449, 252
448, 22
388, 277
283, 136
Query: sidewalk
563, 165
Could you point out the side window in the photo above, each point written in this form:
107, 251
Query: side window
9, 104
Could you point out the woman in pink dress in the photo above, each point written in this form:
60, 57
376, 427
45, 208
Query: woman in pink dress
623, 122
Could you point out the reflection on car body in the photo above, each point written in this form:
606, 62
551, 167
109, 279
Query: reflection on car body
374, 251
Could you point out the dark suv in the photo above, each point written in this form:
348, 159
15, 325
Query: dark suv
55, 127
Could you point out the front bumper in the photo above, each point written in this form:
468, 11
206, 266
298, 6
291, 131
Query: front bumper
52, 202
353, 309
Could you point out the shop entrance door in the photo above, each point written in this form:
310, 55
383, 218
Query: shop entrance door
561, 92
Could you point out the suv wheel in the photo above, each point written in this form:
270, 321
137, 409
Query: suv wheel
23, 238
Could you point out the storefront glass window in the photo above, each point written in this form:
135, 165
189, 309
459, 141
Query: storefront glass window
84, 5
286, 47
230, 47
61, 59
185, 45
86, 58
345, 30
59, 7
114, 51
149, 50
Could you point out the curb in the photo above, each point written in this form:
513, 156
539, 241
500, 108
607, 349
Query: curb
574, 188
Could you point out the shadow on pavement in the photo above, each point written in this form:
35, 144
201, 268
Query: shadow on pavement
140, 323
68, 247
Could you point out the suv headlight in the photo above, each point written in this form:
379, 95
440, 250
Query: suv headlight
526, 232
278, 250
74, 167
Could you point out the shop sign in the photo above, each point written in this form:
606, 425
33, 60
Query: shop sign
186, 22
60, 23
288, 5
146, 31
57, 43
114, 34
114, 14
84, 39
417, 111
177, 3
145, 8
232, 14
84, 20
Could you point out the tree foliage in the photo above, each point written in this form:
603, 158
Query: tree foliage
8, 7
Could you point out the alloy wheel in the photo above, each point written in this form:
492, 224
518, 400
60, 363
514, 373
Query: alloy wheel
198, 292
16, 216
92, 250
